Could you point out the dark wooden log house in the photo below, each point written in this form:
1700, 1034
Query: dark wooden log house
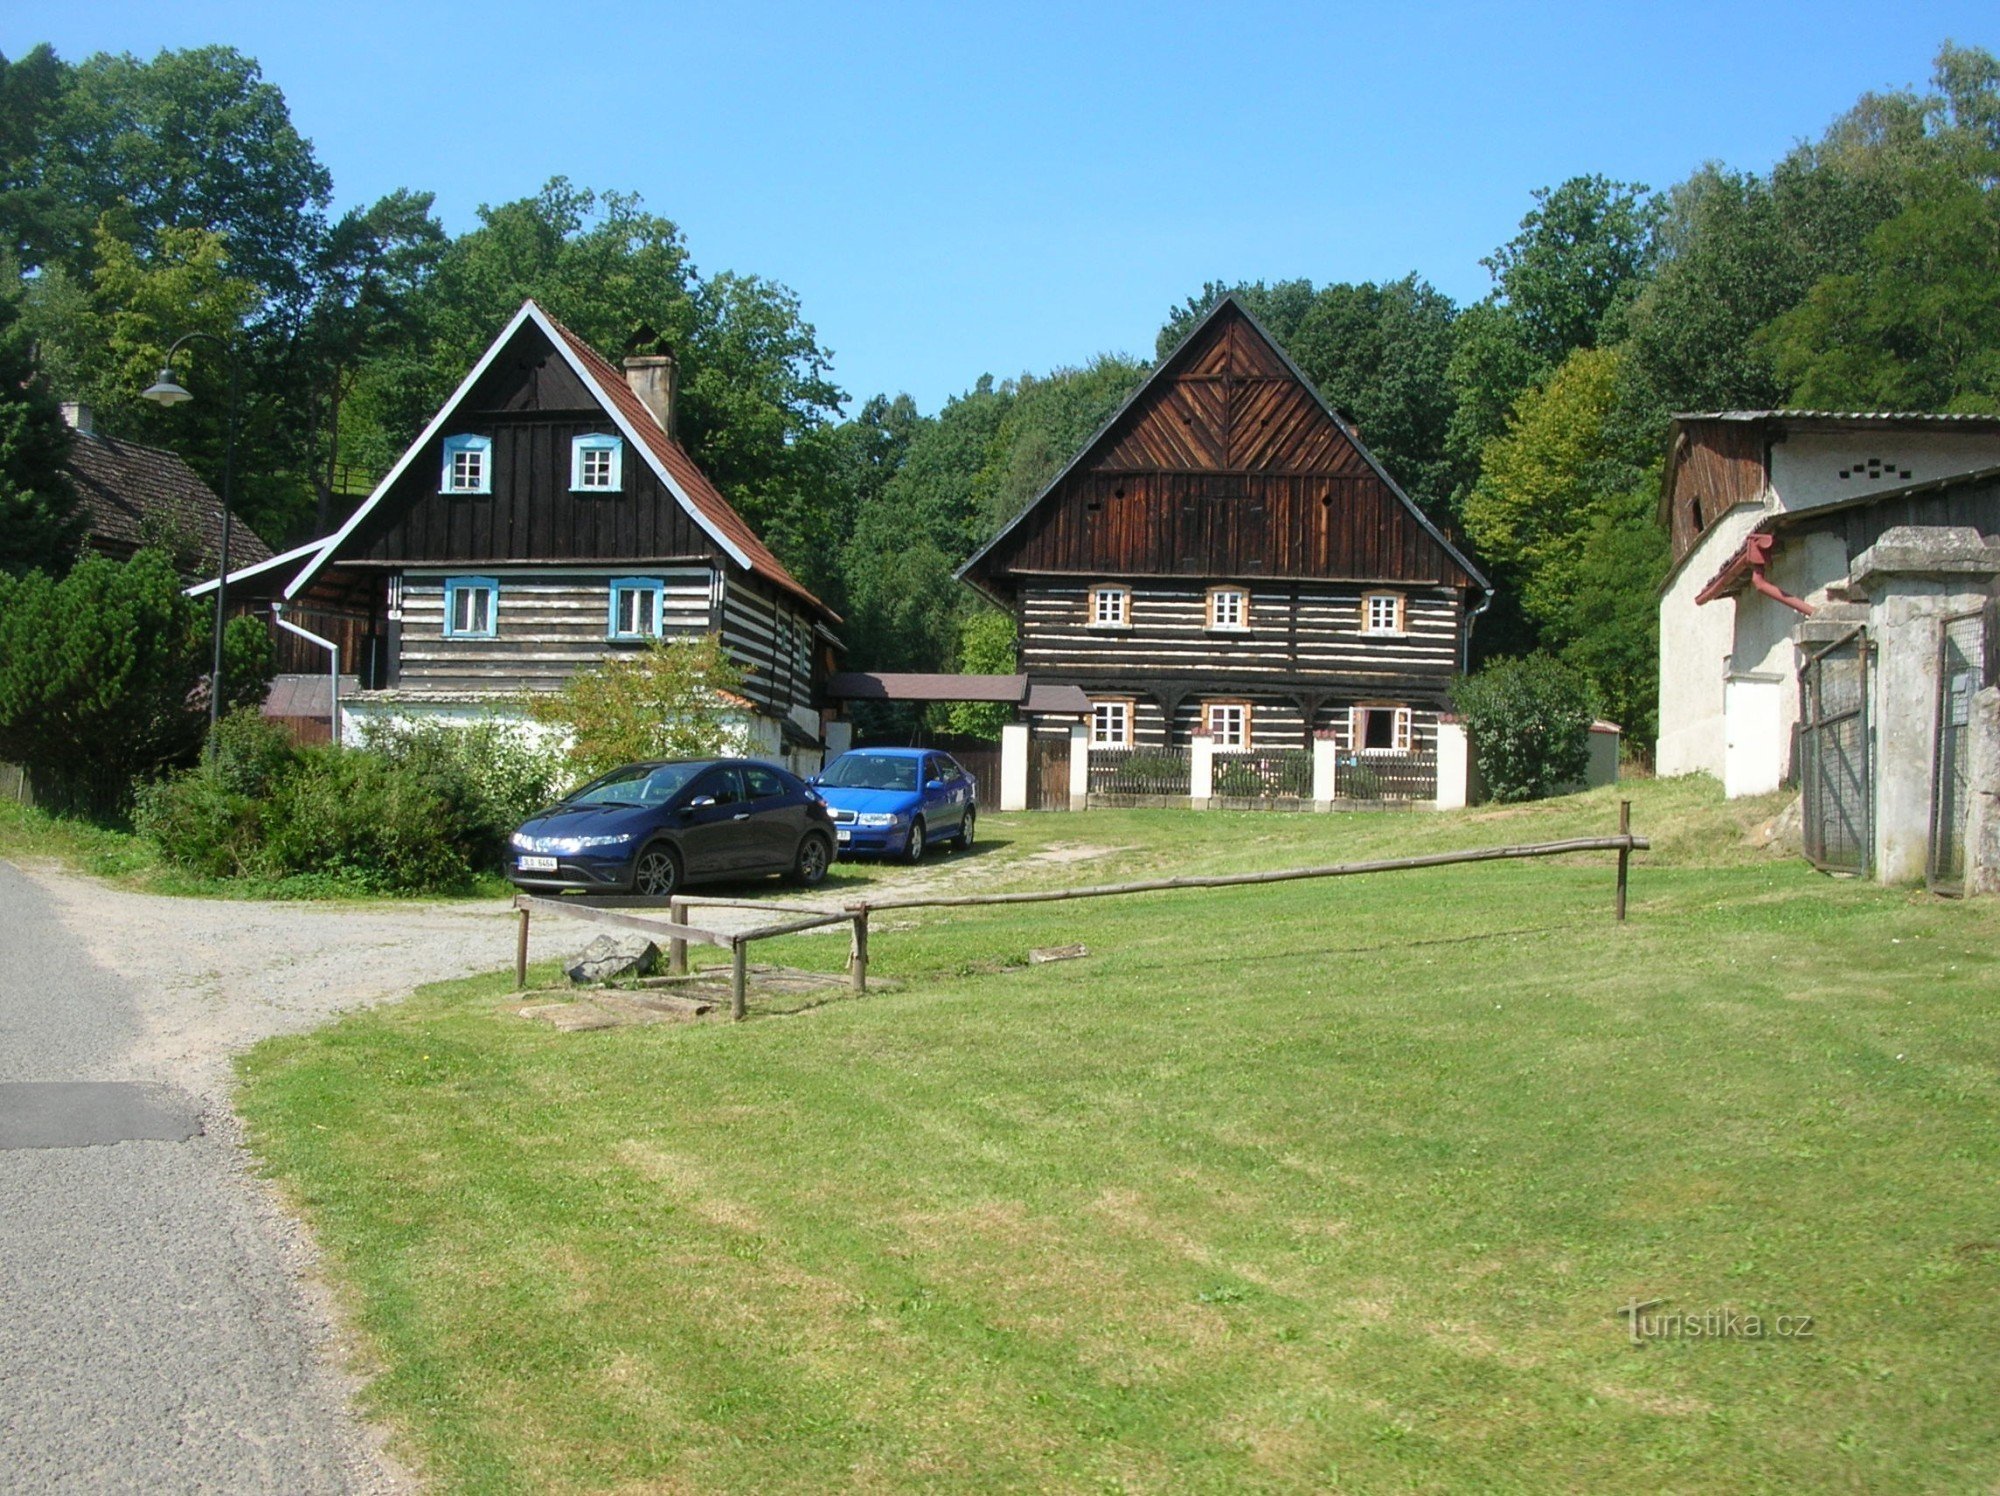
1225, 555
547, 518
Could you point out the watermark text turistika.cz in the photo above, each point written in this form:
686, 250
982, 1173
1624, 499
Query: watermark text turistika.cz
1648, 1319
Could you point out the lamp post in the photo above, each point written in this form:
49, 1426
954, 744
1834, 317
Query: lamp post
168, 391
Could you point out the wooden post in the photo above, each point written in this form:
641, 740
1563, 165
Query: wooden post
677, 950
521, 953
857, 953
1624, 852
739, 977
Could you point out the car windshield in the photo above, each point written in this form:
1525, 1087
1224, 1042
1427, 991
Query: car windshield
640, 784
872, 771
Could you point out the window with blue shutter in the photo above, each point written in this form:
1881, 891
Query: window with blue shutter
468, 465
471, 608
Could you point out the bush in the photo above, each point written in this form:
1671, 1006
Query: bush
1529, 722
373, 823
505, 774
197, 821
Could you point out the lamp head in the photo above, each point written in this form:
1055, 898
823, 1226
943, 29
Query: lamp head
166, 390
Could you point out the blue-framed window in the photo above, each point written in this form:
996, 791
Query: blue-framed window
471, 608
637, 608
596, 464
468, 465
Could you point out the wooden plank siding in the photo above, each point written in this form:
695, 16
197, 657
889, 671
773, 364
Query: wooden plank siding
773, 641
1303, 634
532, 406
547, 625
1714, 466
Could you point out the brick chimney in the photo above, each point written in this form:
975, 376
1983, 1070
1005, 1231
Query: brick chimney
76, 415
655, 378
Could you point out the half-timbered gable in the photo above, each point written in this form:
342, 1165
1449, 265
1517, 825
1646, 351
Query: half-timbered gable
1226, 538
548, 519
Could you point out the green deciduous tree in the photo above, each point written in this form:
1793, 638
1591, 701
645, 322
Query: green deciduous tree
664, 702
985, 647
1583, 250
1529, 724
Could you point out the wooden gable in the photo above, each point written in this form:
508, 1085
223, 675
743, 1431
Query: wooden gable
531, 404
1225, 463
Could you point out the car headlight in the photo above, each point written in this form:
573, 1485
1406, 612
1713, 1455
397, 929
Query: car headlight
619, 840
521, 843
878, 818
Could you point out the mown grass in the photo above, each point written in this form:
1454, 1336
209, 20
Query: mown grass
1309, 1187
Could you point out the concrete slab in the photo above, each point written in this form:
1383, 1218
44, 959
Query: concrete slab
93, 1113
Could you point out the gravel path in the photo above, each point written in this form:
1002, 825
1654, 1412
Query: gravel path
162, 1323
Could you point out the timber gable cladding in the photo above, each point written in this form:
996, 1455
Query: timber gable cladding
1225, 474
554, 534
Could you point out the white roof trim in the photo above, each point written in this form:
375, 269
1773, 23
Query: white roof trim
529, 312
269, 563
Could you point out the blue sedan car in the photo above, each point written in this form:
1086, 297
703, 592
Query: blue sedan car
897, 801
651, 828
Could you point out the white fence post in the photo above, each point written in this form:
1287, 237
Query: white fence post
1014, 766
1454, 764
1079, 766
1201, 771
1326, 759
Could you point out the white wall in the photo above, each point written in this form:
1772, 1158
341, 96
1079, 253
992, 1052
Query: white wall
1806, 467
1695, 645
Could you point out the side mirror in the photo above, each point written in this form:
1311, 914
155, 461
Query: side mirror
699, 801
935, 784
813, 780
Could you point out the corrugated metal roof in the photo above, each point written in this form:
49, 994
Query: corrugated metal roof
1858, 418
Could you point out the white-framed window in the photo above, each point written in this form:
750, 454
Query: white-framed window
637, 606
596, 464
1381, 727
1382, 613
1227, 722
468, 465
1228, 608
471, 608
1111, 723
1110, 607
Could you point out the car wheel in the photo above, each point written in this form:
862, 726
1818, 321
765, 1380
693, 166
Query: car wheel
657, 873
965, 829
914, 852
810, 867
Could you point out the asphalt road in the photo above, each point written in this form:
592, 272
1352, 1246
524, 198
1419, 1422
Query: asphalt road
154, 1332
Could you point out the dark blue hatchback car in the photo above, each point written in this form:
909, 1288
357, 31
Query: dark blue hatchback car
898, 801
650, 828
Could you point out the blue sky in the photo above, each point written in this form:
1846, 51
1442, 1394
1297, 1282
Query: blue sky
957, 190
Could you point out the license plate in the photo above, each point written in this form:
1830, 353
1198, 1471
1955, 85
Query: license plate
538, 864
845, 835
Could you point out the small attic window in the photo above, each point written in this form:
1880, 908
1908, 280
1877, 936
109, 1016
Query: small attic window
1874, 468
468, 465
596, 464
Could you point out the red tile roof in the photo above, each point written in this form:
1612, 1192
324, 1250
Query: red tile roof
692, 480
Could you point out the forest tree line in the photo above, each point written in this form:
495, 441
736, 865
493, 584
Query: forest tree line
141, 199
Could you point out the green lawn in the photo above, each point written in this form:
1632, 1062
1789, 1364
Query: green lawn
1314, 1186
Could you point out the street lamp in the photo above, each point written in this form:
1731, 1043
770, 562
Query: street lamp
168, 391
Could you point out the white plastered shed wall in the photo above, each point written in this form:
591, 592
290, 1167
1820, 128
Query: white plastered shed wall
1806, 467
1695, 645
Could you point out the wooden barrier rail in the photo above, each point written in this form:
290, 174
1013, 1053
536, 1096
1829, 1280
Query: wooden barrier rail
679, 934
1624, 844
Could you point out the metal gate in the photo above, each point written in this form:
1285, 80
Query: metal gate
1961, 672
1836, 782
1048, 773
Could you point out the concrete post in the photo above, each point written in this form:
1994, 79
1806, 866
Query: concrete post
1326, 760
1914, 578
1982, 820
1079, 766
1201, 771
1454, 765
1014, 766
839, 737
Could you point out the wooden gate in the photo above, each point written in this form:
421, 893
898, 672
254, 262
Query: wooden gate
1836, 778
1048, 773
